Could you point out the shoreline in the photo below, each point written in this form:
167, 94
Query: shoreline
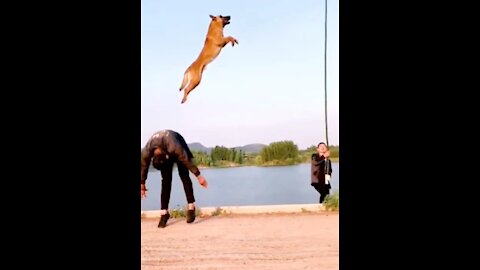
251, 210
334, 160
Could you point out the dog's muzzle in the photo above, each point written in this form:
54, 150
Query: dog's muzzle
226, 20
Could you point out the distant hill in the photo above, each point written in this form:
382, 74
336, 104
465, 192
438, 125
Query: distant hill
199, 147
249, 148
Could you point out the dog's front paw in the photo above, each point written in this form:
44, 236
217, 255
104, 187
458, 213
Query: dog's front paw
232, 40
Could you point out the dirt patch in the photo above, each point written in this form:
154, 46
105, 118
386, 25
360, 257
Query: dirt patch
242, 241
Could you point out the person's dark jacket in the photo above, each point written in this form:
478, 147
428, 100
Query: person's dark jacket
172, 144
319, 167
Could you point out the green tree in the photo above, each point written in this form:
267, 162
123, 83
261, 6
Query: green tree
239, 158
280, 151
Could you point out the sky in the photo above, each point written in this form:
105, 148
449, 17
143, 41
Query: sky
268, 88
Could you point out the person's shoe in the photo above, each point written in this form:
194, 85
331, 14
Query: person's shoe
163, 220
191, 216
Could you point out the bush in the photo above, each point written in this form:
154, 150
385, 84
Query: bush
218, 211
331, 202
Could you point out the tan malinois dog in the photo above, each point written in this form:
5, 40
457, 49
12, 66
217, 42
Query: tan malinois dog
214, 43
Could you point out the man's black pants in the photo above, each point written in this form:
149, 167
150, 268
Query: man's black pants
324, 190
166, 170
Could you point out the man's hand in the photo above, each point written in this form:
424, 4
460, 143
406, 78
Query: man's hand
202, 181
326, 154
143, 191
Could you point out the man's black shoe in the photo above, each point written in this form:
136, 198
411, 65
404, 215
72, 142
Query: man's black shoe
191, 216
163, 220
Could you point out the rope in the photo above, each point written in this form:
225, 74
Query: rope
325, 75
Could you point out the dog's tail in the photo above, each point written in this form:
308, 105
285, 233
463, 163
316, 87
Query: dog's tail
185, 80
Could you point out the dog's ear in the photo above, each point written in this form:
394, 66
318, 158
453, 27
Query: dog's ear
211, 16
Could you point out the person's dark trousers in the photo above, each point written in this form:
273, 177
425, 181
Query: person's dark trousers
166, 170
324, 190
184, 174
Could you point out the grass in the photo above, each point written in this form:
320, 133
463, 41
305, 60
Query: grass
331, 202
218, 211
181, 212
304, 210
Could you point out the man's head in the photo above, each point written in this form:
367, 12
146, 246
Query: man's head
157, 151
159, 157
220, 20
322, 148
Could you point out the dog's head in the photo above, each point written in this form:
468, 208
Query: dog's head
221, 20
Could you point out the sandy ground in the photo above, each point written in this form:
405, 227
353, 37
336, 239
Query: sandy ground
260, 241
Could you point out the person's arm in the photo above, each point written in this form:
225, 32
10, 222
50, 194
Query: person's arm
183, 157
330, 167
145, 164
315, 168
328, 171
176, 145
185, 160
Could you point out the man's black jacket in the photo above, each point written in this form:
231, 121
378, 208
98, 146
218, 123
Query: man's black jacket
319, 167
172, 144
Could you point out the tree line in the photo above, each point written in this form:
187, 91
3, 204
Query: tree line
276, 153
219, 156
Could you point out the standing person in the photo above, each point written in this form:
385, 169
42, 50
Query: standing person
321, 171
166, 148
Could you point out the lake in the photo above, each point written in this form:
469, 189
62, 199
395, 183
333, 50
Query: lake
242, 186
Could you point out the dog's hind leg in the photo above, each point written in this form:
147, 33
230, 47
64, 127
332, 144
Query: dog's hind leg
185, 80
192, 85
